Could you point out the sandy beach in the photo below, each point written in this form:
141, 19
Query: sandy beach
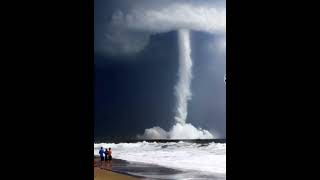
105, 173
102, 174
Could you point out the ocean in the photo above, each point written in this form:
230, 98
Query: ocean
169, 159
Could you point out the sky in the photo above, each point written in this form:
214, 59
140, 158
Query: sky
136, 65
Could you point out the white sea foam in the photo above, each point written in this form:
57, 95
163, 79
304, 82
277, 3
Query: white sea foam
182, 155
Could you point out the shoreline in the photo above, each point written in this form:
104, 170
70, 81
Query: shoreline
137, 170
103, 173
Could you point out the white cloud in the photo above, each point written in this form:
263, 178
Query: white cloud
129, 30
174, 17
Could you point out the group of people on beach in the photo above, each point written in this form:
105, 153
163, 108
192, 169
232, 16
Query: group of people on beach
105, 155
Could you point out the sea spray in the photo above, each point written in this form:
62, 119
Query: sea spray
181, 130
182, 88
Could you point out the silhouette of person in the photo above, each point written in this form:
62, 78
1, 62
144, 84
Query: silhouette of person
101, 152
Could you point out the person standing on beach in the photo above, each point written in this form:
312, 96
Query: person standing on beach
109, 162
109, 154
101, 152
106, 154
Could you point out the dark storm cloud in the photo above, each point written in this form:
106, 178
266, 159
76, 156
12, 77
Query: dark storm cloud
208, 105
132, 95
136, 92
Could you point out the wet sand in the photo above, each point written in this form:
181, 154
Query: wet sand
154, 172
105, 172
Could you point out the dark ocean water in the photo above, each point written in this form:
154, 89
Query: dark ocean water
119, 140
